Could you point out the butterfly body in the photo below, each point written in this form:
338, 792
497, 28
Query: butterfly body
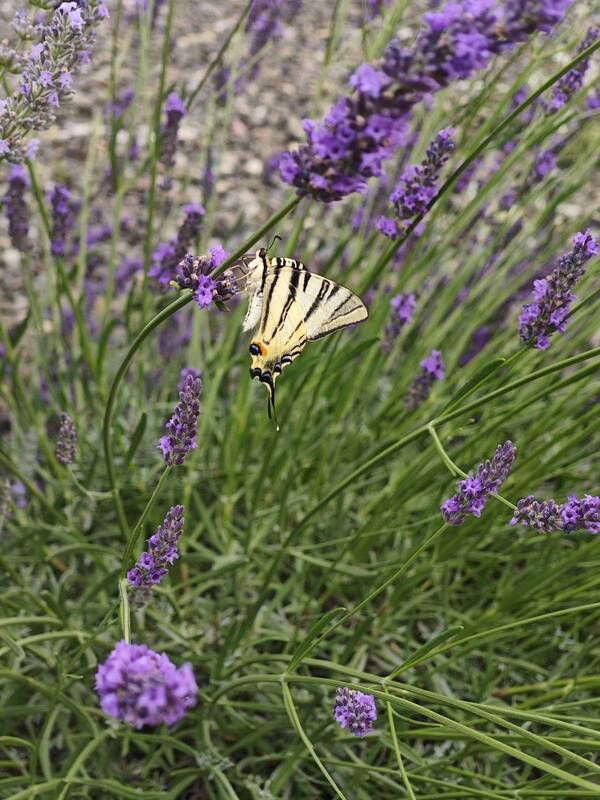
290, 306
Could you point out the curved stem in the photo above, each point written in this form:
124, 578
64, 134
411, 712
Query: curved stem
131, 542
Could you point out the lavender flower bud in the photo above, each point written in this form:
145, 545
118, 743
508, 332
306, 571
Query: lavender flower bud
141, 687
572, 82
175, 110
181, 428
432, 369
16, 209
192, 273
367, 127
167, 255
581, 514
152, 565
403, 308
67, 440
64, 211
354, 710
552, 295
474, 491
417, 186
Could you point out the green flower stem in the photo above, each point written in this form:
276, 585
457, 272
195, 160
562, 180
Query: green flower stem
133, 537
217, 59
157, 138
295, 720
378, 589
183, 299
392, 724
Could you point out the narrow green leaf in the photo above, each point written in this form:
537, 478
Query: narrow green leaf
138, 434
314, 630
480, 376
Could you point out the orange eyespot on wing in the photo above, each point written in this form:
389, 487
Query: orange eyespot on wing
258, 349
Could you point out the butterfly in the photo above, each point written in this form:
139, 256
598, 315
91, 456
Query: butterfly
291, 306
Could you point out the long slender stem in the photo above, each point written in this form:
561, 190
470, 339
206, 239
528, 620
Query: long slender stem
133, 537
394, 735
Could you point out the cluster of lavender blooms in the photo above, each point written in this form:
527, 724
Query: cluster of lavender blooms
64, 210
193, 273
432, 370
16, 209
167, 255
572, 82
364, 129
141, 687
474, 491
152, 564
175, 110
46, 79
403, 308
182, 427
552, 295
354, 710
417, 186
66, 441
548, 516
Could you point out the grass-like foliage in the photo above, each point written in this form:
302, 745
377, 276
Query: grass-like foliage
187, 591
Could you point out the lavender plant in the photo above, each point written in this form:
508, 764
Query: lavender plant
324, 628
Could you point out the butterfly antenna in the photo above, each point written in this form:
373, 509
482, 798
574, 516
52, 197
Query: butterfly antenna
276, 238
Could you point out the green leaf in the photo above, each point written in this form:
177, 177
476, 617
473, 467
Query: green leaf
473, 383
426, 649
138, 433
314, 630
18, 331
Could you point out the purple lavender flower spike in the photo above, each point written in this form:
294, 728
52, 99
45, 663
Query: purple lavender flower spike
67, 440
46, 75
544, 516
141, 687
181, 428
64, 216
548, 312
403, 308
367, 127
167, 255
192, 273
417, 186
183, 375
572, 82
151, 566
354, 710
547, 516
432, 370
16, 209
474, 491
174, 110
